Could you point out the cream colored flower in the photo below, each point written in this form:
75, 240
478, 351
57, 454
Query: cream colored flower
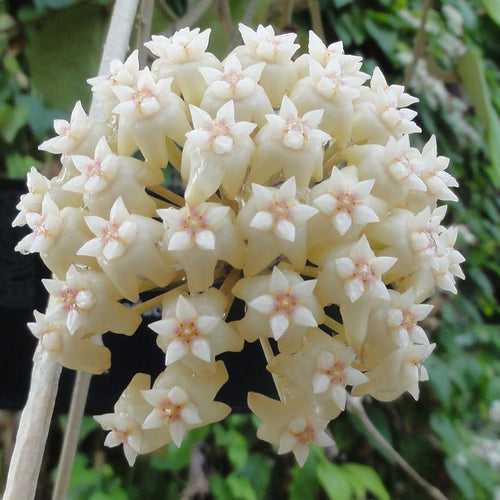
183, 399
120, 73
331, 80
292, 426
394, 325
56, 235
106, 176
194, 327
357, 273
323, 366
125, 423
73, 137
280, 305
38, 186
216, 154
290, 144
345, 207
396, 167
382, 111
70, 351
241, 85
197, 237
274, 222
263, 45
88, 302
148, 111
181, 56
126, 249
399, 372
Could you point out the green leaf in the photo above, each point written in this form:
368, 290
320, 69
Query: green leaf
334, 481
175, 459
384, 38
235, 444
366, 478
461, 479
471, 70
258, 471
59, 65
240, 487
219, 488
304, 483
12, 119
493, 9
18, 166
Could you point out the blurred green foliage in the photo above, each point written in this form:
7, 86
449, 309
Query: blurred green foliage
49, 47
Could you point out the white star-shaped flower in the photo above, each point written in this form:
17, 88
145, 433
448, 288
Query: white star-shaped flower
217, 153
120, 73
281, 211
361, 272
403, 163
198, 237
195, 326
68, 350
88, 303
69, 134
292, 426
45, 226
274, 222
125, 423
113, 236
144, 99
186, 332
402, 317
241, 85
31, 202
297, 132
266, 46
284, 305
390, 105
95, 173
339, 79
171, 407
183, 46
219, 135
107, 176
344, 200
433, 173
233, 82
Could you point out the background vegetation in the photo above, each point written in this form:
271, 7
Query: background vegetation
445, 52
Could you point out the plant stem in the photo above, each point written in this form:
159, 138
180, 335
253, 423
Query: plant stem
191, 17
310, 271
334, 325
168, 195
316, 21
269, 355
419, 43
286, 18
355, 406
145, 19
174, 154
156, 301
68, 452
34, 426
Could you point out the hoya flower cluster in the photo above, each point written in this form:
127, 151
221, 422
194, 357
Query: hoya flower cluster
304, 198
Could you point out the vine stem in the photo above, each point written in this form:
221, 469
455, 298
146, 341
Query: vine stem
72, 432
355, 406
35, 420
147, 305
168, 195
